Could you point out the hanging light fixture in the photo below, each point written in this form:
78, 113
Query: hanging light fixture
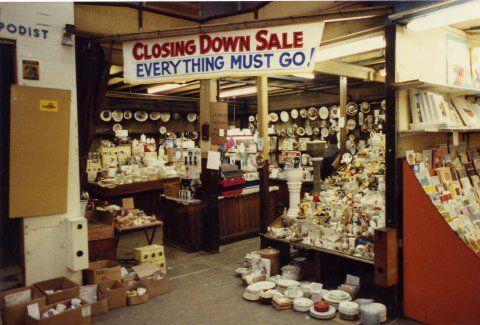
354, 46
238, 92
163, 87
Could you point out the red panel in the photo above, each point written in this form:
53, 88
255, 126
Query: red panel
441, 274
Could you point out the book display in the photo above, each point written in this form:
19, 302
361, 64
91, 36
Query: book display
449, 176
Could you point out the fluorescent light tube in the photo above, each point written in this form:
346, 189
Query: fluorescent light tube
305, 75
447, 16
350, 47
162, 88
239, 92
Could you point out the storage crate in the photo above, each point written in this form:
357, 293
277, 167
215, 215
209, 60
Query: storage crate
162, 263
149, 253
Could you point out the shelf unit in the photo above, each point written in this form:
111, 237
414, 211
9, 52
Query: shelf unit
438, 88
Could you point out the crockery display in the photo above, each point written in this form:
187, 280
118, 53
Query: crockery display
323, 112
284, 117
106, 115
303, 113
312, 113
154, 116
117, 115
165, 117
141, 116
294, 114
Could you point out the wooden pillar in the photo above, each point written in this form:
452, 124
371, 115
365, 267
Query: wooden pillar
208, 94
343, 113
211, 230
262, 107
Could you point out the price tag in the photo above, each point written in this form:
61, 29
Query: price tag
353, 280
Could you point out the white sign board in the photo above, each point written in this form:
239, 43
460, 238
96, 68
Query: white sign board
271, 50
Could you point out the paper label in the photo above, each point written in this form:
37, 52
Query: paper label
353, 280
48, 105
213, 160
17, 298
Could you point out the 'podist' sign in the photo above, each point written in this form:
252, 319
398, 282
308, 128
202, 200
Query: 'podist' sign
276, 50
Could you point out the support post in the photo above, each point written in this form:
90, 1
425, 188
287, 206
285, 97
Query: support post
262, 107
211, 233
343, 113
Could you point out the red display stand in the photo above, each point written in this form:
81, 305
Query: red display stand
441, 274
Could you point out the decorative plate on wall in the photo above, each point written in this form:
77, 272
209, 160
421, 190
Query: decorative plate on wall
284, 116
154, 116
141, 116
303, 113
127, 115
365, 107
165, 116
117, 115
352, 108
323, 112
294, 113
312, 113
106, 115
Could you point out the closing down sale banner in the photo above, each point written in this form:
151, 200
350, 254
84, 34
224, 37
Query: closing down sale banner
271, 50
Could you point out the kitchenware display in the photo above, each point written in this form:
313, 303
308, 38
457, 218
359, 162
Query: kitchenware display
275, 278
116, 127
312, 113
305, 159
251, 296
324, 132
154, 116
191, 117
165, 117
106, 115
242, 271
349, 310
365, 107
294, 114
333, 122
352, 108
369, 119
326, 315
292, 272
351, 124
273, 117
176, 116
302, 304
261, 286
283, 133
284, 116
293, 293
381, 309
316, 130
251, 118
141, 116
308, 130
321, 306
347, 157
300, 131
194, 135
162, 130
117, 115
284, 284
334, 111
323, 112
303, 113
265, 298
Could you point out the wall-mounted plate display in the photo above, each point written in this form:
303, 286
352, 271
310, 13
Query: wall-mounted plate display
155, 116
351, 124
165, 116
284, 116
325, 132
303, 113
300, 131
334, 111
308, 130
162, 130
191, 117
294, 113
323, 112
273, 117
251, 118
365, 107
176, 116
117, 115
127, 115
312, 113
141, 116
352, 108
106, 115
316, 131
116, 127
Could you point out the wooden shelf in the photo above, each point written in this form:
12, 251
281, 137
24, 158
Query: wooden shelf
128, 189
320, 249
412, 132
438, 88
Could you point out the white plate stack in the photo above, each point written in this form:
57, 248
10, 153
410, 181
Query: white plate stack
302, 304
382, 311
335, 297
349, 310
284, 284
369, 315
326, 315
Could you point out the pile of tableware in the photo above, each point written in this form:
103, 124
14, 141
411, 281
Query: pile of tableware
322, 310
284, 284
348, 310
369, 315
281, 303
293, 292
382, 311
254, 290
335, 297
316, 291
302, 304
292, 272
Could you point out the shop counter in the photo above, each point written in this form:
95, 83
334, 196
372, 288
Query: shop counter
146, 195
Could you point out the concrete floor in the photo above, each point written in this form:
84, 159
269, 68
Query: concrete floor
204, 290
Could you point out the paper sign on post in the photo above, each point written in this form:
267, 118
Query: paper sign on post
213, 160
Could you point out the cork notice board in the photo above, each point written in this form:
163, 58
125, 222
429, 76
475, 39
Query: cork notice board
218, 122
39, 141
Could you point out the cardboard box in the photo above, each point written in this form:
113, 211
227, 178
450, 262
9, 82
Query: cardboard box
155, 286
14, 313
96, 298
116, 293
137, 300
102, 271
100, 307
63, 288
77, 316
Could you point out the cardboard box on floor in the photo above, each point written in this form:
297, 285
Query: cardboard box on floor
153, 279
116, 293
137, 300
77, 316
13, 303
63, 288
96, 298
102, 271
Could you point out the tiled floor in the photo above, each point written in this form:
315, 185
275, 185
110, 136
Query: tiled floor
204, 290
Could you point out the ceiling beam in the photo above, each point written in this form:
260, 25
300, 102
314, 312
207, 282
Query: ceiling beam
348, 70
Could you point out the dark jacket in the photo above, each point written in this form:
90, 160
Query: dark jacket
331, 153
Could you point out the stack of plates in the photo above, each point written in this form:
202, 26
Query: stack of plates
293, 293
326, 315
363, 301
251, 296
369, 315
257, 287
284, 284
382, 311
281, 303
349, 310
335, 297
302, 304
